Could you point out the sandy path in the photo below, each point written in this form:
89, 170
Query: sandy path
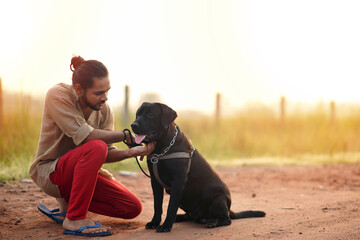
307, 202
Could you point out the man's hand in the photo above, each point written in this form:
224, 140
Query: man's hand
129, 138
105, 173
143, 151
115, 155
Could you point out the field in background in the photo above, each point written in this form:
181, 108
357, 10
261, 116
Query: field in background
254, 135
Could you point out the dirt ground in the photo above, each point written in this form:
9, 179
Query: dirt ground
301, 202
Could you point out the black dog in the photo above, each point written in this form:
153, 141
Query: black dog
176, 166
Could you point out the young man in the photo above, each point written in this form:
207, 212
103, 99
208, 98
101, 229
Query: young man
75, 140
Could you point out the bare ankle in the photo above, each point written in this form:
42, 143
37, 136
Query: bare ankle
63, 205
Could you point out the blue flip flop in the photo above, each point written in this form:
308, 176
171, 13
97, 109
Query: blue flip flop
53, 214
79, 232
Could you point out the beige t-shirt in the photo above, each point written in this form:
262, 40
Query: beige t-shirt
63, 128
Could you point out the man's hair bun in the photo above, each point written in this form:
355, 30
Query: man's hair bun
75, 62
84, 71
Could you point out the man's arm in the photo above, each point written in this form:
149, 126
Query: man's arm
115, 155
108, 137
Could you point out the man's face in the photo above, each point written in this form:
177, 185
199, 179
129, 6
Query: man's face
96, 96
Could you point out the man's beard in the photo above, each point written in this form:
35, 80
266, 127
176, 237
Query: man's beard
93, 107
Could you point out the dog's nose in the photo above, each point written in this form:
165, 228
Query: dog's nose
134, 126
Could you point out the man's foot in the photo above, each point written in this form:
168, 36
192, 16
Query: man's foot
54, 214
74, 225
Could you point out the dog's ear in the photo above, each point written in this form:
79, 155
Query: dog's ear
168, 115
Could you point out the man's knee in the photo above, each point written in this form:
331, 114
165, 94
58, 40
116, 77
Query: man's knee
98, 149
134, 210
129, 209
97, 145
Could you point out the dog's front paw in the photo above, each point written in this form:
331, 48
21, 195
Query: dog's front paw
163, 228
151, 225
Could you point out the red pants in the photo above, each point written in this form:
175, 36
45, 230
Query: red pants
80, 185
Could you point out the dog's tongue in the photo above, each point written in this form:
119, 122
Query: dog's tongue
139, 138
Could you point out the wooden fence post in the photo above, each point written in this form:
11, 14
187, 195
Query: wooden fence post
218, 108
282, 109
332, 113
126, 107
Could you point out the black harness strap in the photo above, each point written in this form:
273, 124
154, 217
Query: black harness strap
175, 155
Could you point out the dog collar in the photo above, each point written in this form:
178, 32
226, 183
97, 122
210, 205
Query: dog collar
154, 157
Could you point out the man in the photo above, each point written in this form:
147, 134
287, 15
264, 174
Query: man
75, 140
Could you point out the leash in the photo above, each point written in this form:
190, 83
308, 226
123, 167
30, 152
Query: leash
133, 144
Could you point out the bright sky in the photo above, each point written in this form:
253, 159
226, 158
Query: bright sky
188, 50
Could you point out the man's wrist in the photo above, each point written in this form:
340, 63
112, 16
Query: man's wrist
124, 137
130, 153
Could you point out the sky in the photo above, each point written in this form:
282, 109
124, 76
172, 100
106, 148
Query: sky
187, 51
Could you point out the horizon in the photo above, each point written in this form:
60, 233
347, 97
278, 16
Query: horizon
345, 108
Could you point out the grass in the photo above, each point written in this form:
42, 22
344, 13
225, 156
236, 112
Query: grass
19, 135
253, 136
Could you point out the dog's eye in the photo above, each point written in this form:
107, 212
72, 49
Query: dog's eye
150, 115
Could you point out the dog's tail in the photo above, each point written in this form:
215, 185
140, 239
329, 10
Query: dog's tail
246, 214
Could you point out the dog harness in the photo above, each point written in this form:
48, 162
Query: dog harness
154, 159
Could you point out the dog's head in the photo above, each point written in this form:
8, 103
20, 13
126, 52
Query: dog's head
152, 121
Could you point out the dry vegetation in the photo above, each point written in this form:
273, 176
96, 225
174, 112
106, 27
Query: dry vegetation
255, 135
